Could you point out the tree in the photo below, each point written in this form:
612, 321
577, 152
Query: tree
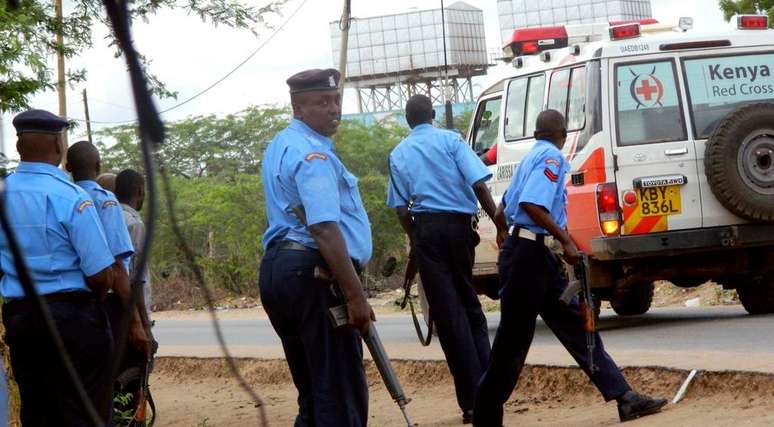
215, 163
27, 35
747, 7
202, 145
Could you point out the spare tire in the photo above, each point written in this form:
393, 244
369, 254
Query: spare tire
739, 162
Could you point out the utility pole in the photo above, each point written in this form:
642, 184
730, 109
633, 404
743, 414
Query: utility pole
60, 62
447, 104
344, 24
88, 119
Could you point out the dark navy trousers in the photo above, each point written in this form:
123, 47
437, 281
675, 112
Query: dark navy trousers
533, 281
326, 363
444, 246
47, 395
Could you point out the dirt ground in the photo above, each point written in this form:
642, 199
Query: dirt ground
200, 392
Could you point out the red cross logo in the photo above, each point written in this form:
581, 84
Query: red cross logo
646, 89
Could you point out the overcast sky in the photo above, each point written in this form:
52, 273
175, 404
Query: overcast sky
189, 55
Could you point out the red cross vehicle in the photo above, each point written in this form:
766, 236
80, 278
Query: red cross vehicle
671, 143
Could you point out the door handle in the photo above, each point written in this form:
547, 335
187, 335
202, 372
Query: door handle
676, 151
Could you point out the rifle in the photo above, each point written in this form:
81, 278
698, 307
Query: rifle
408, 278
580, 284
339, 316
380, 357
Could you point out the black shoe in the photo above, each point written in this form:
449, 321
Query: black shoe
633, 405
467, 417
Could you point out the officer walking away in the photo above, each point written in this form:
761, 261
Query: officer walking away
440, 177
130, 191
535, 209
83, 162
317, 226
107, 181
64, 247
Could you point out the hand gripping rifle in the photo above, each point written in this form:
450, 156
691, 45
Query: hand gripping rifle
580, 283
339, 317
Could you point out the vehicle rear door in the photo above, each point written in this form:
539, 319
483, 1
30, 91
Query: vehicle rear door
483, 135
656, 160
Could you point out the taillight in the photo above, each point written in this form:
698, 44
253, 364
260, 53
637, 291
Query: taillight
626, 31
752, 22
608, 210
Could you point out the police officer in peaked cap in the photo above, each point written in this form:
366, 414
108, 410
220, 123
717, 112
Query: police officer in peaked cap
440, 177
535, 208
65, 250
318, 234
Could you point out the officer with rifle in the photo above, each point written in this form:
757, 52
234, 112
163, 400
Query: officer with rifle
440, 177
317, 226
534, 281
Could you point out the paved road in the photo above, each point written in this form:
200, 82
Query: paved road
707, 338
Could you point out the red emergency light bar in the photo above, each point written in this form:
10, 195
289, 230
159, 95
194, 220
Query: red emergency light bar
530, 41
752, 22
626, 31
646, 21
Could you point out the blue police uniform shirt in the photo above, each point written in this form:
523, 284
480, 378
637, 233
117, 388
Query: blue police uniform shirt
58, 230
435, 170
112, 217
301, 168
539, 180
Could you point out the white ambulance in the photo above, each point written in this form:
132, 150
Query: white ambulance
671, 141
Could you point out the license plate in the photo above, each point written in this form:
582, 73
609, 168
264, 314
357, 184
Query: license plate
659, 201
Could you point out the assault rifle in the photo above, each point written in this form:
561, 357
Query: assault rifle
579, 285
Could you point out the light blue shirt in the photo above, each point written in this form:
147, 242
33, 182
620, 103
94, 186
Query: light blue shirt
434, 170
112, 217
58, 230
539, 180
301, 168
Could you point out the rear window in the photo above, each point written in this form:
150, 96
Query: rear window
567, 94
717, 86
523, 104
648, 108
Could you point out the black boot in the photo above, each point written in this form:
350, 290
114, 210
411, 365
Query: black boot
467, 416
633, 405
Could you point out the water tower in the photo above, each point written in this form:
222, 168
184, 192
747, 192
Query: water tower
393, 57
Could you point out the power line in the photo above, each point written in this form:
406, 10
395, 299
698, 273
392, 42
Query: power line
217, 82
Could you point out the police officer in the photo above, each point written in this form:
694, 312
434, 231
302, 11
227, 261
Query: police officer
440, 177
535, 208
83, 162
64, 247
317, 223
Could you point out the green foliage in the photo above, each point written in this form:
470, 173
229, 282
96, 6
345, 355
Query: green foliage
215, 168
122, 417
462, 122
742, 7
28, 34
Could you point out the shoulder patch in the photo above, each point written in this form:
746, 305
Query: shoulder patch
83, 205
109, 203
311, 156
555, 162
550, 175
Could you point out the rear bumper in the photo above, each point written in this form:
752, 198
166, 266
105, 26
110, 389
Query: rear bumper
680, 242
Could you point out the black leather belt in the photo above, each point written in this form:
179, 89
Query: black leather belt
75, 296
294, 246
441, 217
